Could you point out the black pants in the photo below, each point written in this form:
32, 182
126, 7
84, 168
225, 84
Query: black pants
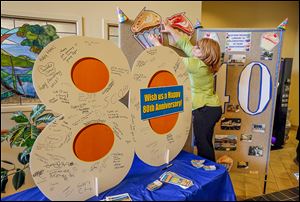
204, 120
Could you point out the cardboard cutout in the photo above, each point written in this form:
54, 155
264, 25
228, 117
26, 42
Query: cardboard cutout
59, 164
149, 103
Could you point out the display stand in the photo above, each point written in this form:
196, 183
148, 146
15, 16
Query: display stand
247, 87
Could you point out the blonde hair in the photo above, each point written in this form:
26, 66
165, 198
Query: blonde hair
210, 53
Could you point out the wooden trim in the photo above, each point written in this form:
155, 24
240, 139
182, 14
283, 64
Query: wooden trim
105, 24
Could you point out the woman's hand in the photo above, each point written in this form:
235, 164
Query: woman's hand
169, 29
167, 26
154, 39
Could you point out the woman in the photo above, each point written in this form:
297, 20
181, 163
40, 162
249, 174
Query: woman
202, 63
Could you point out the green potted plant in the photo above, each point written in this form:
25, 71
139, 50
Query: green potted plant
23, 134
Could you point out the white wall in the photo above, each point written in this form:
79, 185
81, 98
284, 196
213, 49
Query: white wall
92, 14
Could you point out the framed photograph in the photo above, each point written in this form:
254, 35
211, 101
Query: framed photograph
233, 108
255, 151
225, 142
242, 165
246, 138
231, 124
238, 59
259, 128
266, 55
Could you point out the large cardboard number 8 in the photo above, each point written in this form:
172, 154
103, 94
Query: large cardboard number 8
92, 137
83, 79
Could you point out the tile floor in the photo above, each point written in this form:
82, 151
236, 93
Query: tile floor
291, 194
280, 177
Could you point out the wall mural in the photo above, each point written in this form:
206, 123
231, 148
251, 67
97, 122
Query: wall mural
19, 49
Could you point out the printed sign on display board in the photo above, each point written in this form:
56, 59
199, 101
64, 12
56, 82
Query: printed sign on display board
238, 41
156, 102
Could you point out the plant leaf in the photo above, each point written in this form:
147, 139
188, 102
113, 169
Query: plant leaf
23, 158
45, 118
4, 179
19, 117
29, 143
27, 150
25, 137
14, 140
34, 132
3, 171
18, 179
3, 137
36, 111
14, 129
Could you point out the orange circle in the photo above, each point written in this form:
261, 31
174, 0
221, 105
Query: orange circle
93, 142
90, 75
163, 124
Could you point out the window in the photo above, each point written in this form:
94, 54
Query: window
110, 31
16, 81
113, 33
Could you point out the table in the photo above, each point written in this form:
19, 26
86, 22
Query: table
208, 185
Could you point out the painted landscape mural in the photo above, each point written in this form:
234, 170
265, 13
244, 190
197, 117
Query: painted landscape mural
19, 49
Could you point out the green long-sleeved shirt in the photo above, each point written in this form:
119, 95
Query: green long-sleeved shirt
201, 78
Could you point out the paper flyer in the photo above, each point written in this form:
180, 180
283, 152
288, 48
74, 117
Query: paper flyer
238, 42
269, 41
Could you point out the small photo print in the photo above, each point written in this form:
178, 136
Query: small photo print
259, 128
255, 151
233, 108
237, 59
242, 164
246, 138
266, 55
225, 142
230, 124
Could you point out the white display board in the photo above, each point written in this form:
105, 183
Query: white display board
247, 86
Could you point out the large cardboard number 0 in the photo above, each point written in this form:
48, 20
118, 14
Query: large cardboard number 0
265, 88
159, 67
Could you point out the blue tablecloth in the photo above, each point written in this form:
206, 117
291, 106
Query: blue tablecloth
208, 185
